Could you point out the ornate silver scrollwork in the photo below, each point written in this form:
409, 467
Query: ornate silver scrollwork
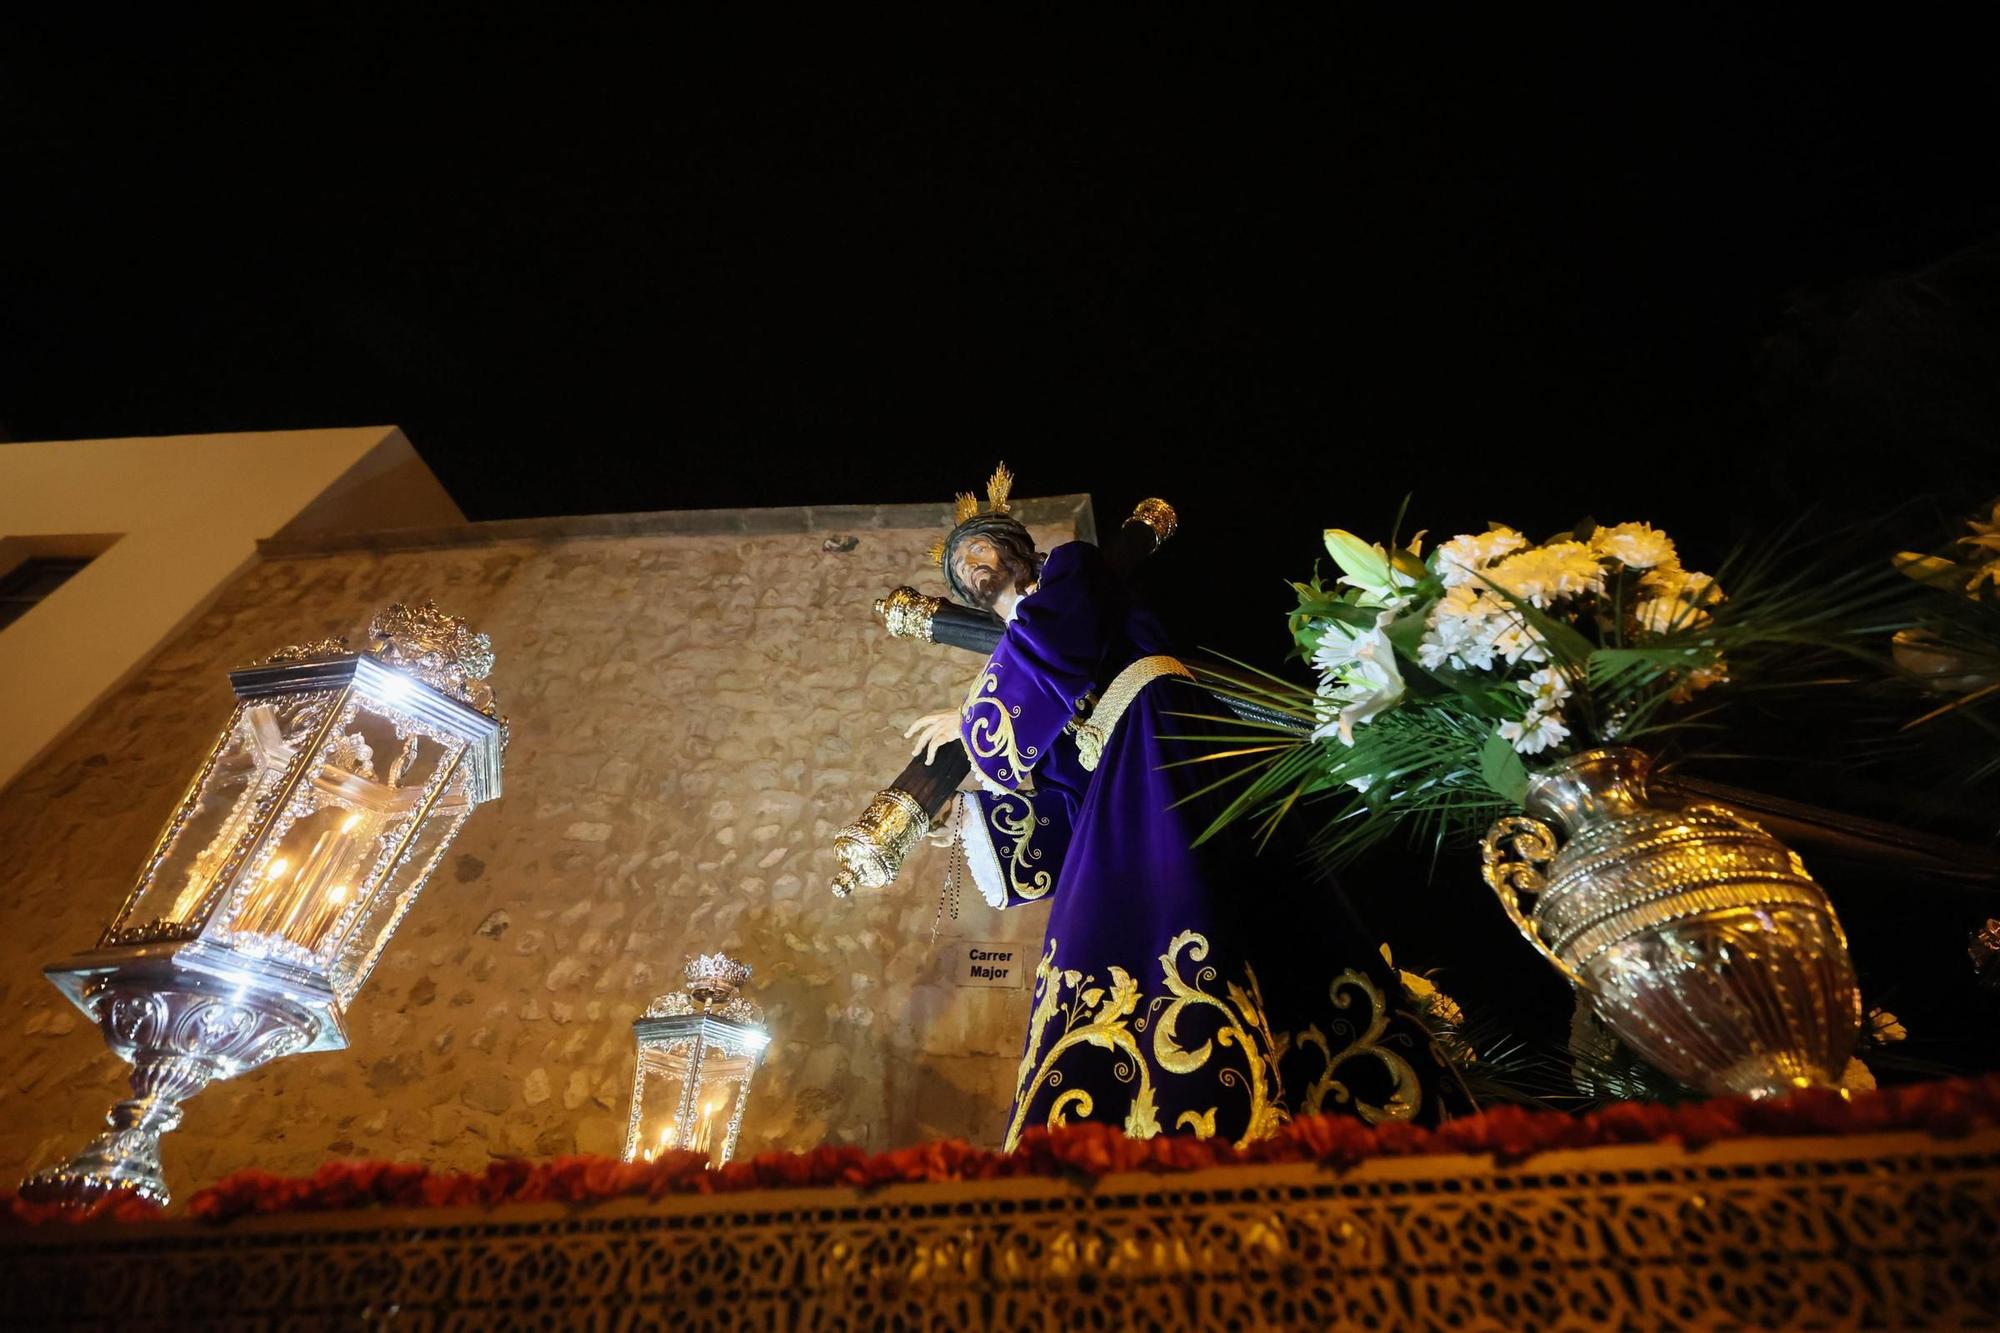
179, 1038
441, 650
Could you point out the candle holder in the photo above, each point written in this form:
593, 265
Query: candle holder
306, 835
698, 1048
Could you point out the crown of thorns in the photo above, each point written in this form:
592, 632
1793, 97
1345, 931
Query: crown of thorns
999, 488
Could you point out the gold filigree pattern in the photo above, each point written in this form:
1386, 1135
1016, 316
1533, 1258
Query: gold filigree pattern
1406, 1097
1202, 1122
908, 614
1158, 515
1108, 1018
1027, 882
1243, 1025
989, 731
1094, 1015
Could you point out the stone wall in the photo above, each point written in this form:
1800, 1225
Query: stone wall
693, 715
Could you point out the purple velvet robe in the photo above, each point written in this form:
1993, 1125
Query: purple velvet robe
1202, 990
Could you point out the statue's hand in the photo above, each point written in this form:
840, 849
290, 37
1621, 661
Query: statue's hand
932, 731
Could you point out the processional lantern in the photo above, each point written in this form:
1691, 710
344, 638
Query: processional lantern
321, 809
698, 1049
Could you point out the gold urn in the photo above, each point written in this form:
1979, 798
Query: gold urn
1699, 938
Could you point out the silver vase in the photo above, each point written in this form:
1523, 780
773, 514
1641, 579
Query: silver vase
1699, 938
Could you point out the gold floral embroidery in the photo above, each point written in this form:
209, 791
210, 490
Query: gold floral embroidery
1202, 1124
1243, 1026
989, 733
1077, 1097
1022, 855
1143, 1120
1093, 1015
1048, 992
1406, 1095
1107, 1018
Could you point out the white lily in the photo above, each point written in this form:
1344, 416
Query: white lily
1369, 567
1359, 677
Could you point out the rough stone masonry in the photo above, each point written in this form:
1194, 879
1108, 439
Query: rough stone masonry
694, 713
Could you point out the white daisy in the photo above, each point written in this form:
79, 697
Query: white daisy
1534, 733
1459, 558
1636, 546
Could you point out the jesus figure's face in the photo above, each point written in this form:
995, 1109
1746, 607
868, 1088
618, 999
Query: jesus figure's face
995, 580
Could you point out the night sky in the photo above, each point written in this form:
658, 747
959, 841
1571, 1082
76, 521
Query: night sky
1714, 271
1705, 273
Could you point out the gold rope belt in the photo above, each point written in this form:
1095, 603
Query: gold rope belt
1092, 736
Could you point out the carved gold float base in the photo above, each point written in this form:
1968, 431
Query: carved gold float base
1892, 1230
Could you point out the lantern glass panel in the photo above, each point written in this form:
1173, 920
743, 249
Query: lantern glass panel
231, 799
703, 1120
361, 940
327, 855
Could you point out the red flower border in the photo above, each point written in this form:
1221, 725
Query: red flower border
1947, 1109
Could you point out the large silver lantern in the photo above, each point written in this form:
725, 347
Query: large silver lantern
698, 1048
308, 832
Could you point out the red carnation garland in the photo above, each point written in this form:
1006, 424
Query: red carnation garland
1508, 1133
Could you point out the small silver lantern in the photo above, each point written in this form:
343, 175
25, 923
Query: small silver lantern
698, 1047
306, 835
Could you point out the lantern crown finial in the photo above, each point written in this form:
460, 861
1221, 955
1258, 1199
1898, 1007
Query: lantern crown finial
711, 987
714, 976
440, 650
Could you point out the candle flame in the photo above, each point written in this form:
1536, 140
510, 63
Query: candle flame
279, 865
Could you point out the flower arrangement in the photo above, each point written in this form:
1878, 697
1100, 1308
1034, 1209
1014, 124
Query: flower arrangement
1080, 1151
1441, 677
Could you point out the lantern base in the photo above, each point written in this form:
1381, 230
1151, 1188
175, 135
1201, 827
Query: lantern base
180, 1033
128, 1156
113, 1162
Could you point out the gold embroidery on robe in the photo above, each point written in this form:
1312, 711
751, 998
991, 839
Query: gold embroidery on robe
990, 730
1106, 1018
1243, 1026
1143, 1120
1406, 1093
1202, 1124
1022, 855
1094, 1015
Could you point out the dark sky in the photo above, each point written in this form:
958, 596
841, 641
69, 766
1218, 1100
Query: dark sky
1704, 270
1712, 270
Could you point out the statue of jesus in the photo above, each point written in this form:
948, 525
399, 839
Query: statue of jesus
1188, 989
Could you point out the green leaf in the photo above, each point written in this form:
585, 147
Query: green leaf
1635, 668
1502, 769
1348, 614
1405, 633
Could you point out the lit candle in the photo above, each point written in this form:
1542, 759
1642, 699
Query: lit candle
329, 912
703, 1131
329, 856
257, 911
